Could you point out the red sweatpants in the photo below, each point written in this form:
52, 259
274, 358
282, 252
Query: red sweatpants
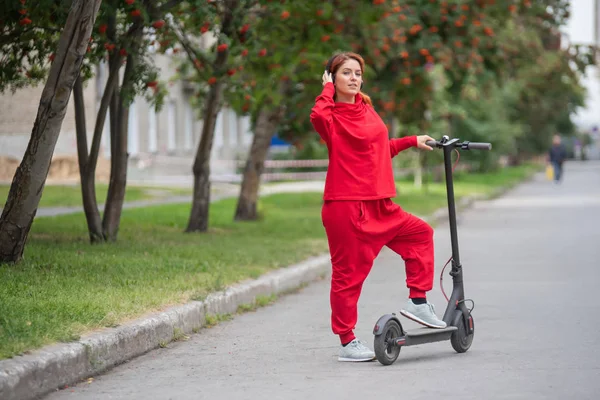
357, 231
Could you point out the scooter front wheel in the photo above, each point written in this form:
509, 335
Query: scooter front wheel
461, 340
386, 349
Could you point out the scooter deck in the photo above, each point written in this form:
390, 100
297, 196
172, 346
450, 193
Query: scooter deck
427, 335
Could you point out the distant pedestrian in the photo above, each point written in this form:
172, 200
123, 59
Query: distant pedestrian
556, 157
358, 213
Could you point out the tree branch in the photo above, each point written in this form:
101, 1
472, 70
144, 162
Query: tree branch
16, 34
168, 5
192, 52
155, 12
111, 84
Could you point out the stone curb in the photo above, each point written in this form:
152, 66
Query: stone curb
33, 375
53, 367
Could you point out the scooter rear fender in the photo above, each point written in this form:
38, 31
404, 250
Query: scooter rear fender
378, 329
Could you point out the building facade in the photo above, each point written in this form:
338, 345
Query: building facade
160, 143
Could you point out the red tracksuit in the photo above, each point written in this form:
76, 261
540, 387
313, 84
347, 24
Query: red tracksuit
357, 213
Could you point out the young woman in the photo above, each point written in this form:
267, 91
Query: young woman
358, 214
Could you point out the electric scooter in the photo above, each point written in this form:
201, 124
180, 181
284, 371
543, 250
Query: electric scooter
390, 337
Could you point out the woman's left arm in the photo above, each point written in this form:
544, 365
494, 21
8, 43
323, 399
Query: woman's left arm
401, 144
398, 145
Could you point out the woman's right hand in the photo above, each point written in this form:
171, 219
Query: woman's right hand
422, 142
327, 77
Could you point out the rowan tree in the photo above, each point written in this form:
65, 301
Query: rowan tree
122, 38
28, 183
214, 36
298, 39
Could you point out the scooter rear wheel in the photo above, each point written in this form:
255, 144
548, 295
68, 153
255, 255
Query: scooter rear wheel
461, 340
386, 349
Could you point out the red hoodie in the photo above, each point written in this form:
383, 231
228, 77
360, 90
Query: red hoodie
360, 151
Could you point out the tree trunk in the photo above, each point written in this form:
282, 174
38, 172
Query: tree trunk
198, 221
89, 161
119, 156
28, 182
266, 123
88, 188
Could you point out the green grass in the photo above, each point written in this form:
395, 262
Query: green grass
66, 287
70, 195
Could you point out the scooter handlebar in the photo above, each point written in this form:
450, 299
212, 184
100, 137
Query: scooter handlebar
479, 146
464, 145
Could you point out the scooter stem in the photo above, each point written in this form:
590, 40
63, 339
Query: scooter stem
448, 148
456, 272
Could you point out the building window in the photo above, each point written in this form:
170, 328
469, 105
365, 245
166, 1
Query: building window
189, 126
133, 139
218, 136
171, 125
152, 131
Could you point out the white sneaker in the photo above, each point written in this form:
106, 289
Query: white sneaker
355, 351
424, 314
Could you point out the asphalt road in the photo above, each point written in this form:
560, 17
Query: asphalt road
531, 264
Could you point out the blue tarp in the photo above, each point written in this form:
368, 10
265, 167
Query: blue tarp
276, 141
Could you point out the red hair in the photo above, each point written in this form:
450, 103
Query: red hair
339, 59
